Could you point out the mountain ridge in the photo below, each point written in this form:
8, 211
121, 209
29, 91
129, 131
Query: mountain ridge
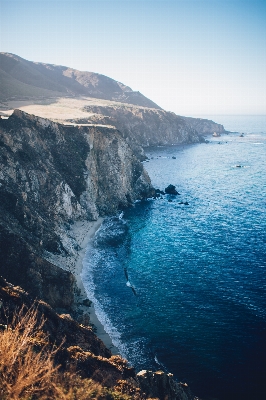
60, 80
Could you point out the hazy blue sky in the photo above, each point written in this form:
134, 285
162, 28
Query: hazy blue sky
189, 56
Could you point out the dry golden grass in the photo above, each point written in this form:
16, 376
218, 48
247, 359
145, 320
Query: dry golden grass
27, 369
24, 369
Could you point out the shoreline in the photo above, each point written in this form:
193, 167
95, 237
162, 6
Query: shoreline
84, 233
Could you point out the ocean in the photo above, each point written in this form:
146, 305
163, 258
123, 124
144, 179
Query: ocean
179, 282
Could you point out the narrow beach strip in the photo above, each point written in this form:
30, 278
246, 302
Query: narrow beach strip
84, 233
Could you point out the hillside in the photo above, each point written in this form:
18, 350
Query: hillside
22, 79
69, 96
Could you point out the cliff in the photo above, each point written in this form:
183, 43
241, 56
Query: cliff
51, 176
145, 127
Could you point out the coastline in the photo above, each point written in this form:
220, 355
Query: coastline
84, 232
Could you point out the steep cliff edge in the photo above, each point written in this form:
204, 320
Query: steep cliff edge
51, 176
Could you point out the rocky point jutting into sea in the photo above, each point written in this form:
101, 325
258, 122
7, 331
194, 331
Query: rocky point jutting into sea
56, 178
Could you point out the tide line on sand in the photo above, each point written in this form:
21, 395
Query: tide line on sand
84, 231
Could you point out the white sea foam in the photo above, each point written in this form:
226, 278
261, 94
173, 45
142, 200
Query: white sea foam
87, 279
156, 360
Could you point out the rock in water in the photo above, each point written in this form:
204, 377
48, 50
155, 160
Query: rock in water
171, 190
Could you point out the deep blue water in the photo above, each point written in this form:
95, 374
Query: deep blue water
183, 287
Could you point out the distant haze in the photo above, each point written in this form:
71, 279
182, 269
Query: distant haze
193, 57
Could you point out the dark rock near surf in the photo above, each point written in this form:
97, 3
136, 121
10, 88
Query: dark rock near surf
86, 302
159, 191
171, 190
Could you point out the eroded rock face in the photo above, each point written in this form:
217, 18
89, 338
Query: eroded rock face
50, 176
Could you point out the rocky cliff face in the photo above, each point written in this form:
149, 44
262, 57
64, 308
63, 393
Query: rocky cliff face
51, 176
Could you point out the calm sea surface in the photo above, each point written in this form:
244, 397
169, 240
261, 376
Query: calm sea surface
183, 287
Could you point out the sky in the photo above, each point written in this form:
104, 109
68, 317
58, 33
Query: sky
192, 57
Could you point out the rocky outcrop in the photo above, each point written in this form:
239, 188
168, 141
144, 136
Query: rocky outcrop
170, 189
51, 176
163, 386
205, 126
